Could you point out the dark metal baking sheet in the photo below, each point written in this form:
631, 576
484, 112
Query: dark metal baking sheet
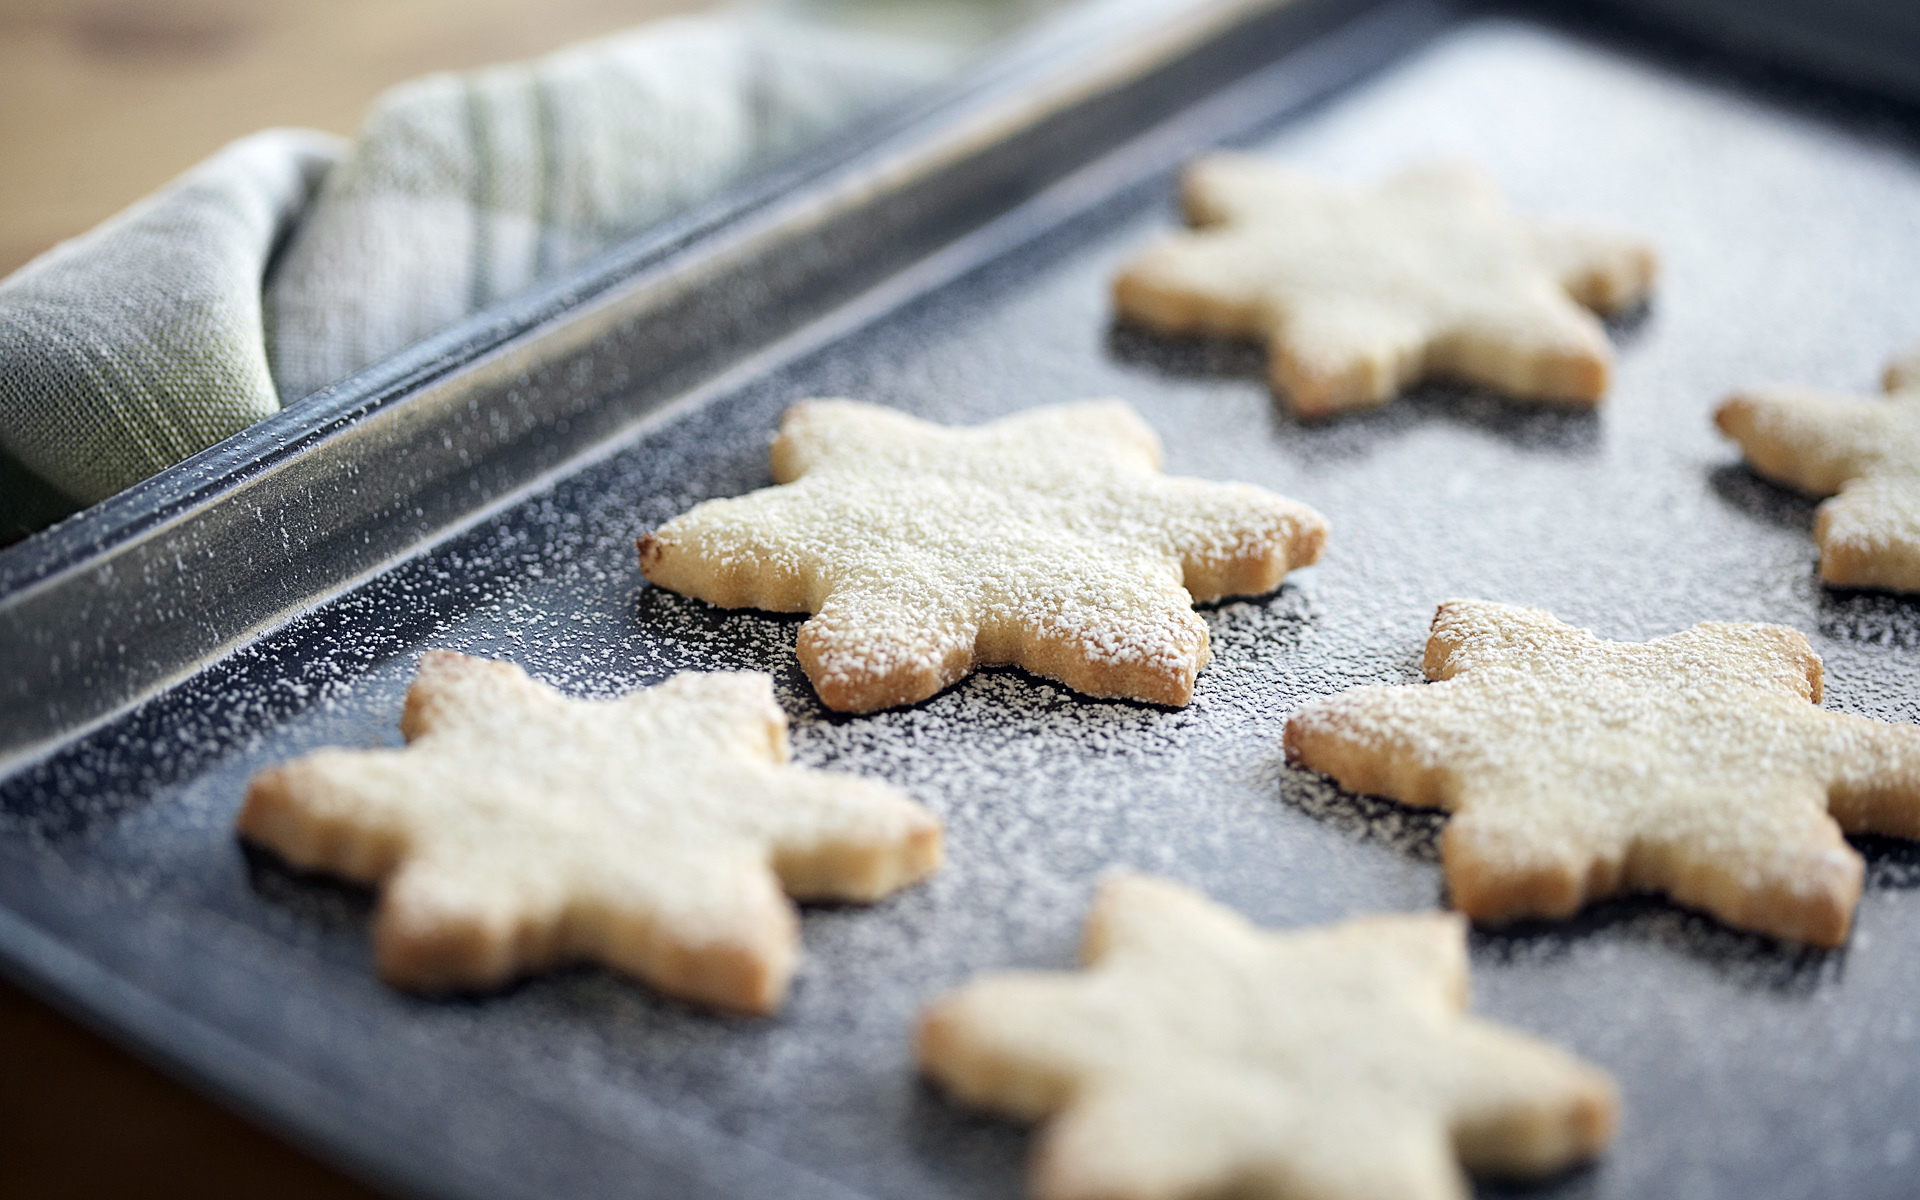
142, 590
1791, 231
1869, 45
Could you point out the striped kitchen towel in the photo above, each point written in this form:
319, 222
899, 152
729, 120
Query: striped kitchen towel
138, 343
280, 265
464, 189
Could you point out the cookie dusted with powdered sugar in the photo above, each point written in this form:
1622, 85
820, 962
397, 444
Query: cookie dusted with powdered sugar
1359, 292
1862, 451
1699, 765
660, 833
1049, 539
1201, 1056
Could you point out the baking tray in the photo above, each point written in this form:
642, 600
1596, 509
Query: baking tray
482, 493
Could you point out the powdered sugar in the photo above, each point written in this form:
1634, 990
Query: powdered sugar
520, 830
1361, 292
1865, 453
1696, 764
1048, 539
1634, 523
1199, 1048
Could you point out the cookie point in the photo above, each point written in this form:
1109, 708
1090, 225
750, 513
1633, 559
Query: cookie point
1595, 1116
1310, 541
428, 953
933, 1033
1733, 413
1291, 738
926, 850
1122, 880
442, 659
1584, 380
651, 549
263, 811
1826, 920
1124, 1124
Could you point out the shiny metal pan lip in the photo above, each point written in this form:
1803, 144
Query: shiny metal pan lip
135, 593
149, 600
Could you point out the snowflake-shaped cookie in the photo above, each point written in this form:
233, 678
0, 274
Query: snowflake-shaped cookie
656, 833
1699, 765
1360, 292
1048, 539
1200, 1056
1863, 452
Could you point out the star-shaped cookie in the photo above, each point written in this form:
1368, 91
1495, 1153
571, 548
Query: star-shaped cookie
1201, 1056
1699, 765
1863, 452
1360, 292
660, 833
1048, 539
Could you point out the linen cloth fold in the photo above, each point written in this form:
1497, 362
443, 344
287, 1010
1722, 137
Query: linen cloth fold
138, 343
287, 261
463, 189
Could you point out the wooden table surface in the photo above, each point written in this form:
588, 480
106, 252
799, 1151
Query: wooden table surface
101, 101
